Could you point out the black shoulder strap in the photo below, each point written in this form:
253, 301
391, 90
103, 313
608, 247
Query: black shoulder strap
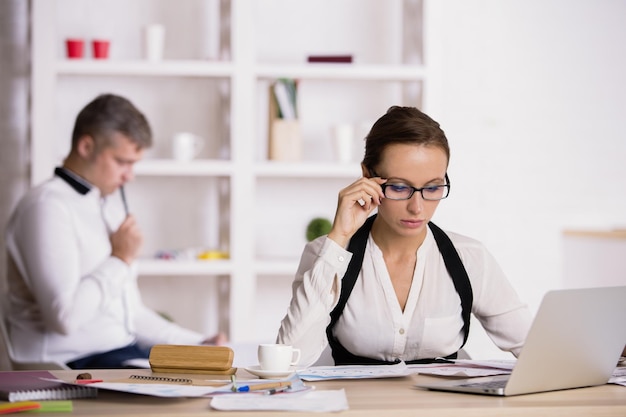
357, 248
457, 271
451, 259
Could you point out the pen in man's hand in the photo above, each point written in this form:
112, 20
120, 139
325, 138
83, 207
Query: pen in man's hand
123, 194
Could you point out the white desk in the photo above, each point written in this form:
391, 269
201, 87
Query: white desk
372, 398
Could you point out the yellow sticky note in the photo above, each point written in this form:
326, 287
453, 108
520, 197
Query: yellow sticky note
57, 406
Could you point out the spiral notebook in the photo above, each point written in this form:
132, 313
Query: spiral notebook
39, 385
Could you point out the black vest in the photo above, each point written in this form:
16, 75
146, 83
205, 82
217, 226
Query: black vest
357, 247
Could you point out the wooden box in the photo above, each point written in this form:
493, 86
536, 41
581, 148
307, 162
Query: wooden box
192, 359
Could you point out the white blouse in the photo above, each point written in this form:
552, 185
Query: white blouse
373, 324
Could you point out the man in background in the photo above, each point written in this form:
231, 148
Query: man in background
72, 245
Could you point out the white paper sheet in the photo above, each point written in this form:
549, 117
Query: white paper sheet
507, 364
319, 373
173, 390
618, 377
158, 390
316, 401
457, 370
466, 368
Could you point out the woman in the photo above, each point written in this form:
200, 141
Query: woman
411, 293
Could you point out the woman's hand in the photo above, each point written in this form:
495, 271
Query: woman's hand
356, 203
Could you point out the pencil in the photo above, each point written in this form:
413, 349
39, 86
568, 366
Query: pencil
269, 385
123, 194
277, 390
18, 406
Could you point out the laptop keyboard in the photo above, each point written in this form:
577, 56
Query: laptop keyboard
491, 384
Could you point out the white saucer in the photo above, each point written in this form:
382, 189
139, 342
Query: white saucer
256, 370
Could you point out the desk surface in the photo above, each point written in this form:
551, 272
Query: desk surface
602, 234
377, 397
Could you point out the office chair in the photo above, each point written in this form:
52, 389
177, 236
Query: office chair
16, 364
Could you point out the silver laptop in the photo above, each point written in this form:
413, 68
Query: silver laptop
575, 341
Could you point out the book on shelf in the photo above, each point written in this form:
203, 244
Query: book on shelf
39, 385
343, 59
285, 143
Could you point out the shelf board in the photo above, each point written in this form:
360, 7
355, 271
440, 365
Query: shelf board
307, 170
352, 72
170, 167
286, 267
602, 234
159, 267
214, 167
191, 68
198, 68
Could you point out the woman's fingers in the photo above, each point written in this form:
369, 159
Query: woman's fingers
365, 190
356, 203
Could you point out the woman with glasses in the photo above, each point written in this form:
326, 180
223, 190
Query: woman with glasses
388, 285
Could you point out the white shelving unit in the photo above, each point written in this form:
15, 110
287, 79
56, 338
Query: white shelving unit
165, 167
242, 201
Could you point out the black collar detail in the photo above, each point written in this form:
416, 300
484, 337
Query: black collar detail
80, 185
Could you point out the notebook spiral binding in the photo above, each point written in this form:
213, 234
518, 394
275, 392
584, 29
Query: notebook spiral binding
182, 381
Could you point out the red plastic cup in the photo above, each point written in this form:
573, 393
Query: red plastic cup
100, 48
75, 48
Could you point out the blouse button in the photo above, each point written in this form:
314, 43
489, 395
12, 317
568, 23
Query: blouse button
341, 258
401, 331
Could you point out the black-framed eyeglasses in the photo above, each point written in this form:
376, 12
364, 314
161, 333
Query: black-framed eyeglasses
401, 191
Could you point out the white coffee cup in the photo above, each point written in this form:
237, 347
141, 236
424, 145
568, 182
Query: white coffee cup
186, 146
276, 357
154, 42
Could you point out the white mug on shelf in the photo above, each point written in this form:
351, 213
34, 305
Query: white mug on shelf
186, 146
154, 41
277, 357
343, 141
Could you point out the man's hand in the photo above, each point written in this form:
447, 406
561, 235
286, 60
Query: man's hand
218, 339
127, 240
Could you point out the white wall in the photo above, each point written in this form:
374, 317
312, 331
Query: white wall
532, 96
593, 261
533, 102
534, 106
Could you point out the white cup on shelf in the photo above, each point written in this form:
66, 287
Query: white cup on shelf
186, 146
154, 42
343, 142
